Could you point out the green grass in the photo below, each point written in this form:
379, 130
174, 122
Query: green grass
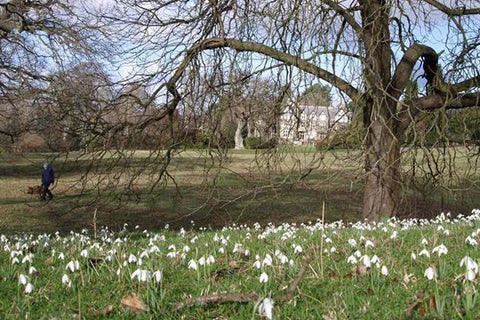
330, 289
211, 189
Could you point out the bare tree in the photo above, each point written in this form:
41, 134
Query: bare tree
369, 50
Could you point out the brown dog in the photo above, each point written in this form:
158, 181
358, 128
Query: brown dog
35, 191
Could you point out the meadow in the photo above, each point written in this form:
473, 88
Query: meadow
396, 269
213, 189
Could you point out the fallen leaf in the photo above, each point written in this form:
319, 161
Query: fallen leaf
414, 305
133, 303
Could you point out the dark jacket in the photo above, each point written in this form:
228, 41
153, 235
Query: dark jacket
48, 175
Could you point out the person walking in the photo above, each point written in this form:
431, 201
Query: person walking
48, 178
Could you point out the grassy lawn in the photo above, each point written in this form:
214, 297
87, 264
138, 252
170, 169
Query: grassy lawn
209, 188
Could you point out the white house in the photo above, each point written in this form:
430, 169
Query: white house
307, 123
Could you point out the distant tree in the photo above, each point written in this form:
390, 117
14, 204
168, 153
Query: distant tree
317, 95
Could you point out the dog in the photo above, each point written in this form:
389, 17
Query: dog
35, 191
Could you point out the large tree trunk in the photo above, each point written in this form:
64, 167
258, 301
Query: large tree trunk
382, 189
238, 134
382, 162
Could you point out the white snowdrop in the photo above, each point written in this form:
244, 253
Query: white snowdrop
424, 252
440, 250
352, 260
429, 273
369, 244
23, 279
157, 276
263, 278
66, 281
28, 288
384, 271
132, 258
192, 264
265, 308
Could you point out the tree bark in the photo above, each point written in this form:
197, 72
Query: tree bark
381, 195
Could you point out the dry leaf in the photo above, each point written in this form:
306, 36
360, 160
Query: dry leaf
415, 303
133, 303
233, 264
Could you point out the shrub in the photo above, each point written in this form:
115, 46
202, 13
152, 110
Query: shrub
259, 143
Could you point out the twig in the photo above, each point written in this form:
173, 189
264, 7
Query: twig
321, 240
94, 223
296, 281
218, 298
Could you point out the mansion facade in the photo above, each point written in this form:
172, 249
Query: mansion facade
301, 124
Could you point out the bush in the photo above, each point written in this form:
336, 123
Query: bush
259, 143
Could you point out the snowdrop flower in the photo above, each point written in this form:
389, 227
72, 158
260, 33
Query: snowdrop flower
366, 261
446, 232
157, 275
297, 249
221, 250
32, 270
429, 273
369, 244
154, 249
394, 235
172, 254
23, 279
210, 260
333, 250
328, 240
469, 263
470, 275
384, 271
441, 249
263, 278
73, 265
84, 253
192, 264
352, 260
132, 258
357, 253
201, 261
66, 281
352, 243
471, 241
141, 275
119, 272
414, 256
28, 288
257, 264
266, 308
27, 258
376, 260
15, 260
61, 256
424, 252
186, 248
268, 260
144, 254
424, 242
